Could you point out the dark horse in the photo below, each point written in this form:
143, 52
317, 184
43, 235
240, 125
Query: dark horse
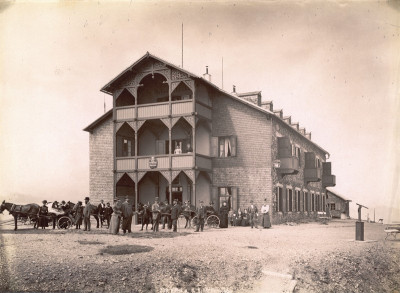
95, 211
29, 210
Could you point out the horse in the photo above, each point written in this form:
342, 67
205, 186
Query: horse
93, 212
188, 211
29, 210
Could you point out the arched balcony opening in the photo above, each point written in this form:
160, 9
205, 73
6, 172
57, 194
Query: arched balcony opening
125, 99
153, 89
152, 185
182, 137
182, 189
152, 138
125, 187
125, 141
181, 92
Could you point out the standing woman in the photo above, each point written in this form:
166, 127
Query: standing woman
266, 222
78, 208
42, 215
116, 216
223, 212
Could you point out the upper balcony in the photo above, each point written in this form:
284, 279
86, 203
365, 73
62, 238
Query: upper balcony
164, 162
327, 178
286, 162
312, 169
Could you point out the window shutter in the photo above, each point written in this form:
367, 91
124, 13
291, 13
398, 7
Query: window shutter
284, 147
234, 198
310, 160
214, 146
233, 139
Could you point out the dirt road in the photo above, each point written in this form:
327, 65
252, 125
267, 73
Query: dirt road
320, 258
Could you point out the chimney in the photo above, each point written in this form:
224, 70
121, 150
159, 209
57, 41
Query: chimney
308, 135
206, 75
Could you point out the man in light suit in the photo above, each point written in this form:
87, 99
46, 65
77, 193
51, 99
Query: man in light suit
86, 214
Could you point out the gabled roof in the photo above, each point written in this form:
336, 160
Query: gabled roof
230, 95
98, 121
337, 194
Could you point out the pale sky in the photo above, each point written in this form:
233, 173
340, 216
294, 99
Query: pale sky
332, 66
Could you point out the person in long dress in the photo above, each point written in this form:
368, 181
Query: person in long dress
266, 222
116, 217
42, 215
223, 213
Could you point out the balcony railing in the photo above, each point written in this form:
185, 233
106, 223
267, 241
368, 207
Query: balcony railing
328, 180
288, 165
156, 162
182, 161
312, 174
148, 111
125, 164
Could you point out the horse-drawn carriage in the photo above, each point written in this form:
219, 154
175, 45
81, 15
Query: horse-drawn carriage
211, 221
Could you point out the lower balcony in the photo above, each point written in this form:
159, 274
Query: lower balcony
328, 180
312, 175
287, 165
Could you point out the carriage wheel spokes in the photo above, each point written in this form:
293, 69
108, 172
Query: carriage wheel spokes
194, 221
212, 221
64, 222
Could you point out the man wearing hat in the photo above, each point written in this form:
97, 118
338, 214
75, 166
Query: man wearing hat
42, 215
86, 214
127, 214
201, 215
166, 215
253, 213
156, 214
175, 214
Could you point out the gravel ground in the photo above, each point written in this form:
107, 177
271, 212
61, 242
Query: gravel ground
321, 258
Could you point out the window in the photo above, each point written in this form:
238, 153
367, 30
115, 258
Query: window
332, 206
307, 202
297, 200
183, 144
297, 153
226, 145
225, 194
125, 146
279, 199
312, 202
290, 199
317, 163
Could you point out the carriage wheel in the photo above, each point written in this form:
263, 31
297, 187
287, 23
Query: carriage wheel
212, 221
194, 222
64, 222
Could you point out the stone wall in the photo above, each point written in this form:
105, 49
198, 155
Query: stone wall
250, 169
101, 176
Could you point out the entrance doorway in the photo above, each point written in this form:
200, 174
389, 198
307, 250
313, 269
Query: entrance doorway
176, 193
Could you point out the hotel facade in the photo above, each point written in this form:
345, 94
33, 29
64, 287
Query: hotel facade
172, 134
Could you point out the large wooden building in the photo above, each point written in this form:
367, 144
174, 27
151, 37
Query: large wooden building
173, 134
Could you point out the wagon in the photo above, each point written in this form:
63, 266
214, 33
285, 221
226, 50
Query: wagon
212, 220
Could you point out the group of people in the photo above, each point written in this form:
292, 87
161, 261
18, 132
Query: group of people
121, 213
251, 216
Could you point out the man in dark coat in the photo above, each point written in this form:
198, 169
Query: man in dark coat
127, 214
175, 214
166, 215
223, 215
108, 210
253, 213
201, 215
86, 214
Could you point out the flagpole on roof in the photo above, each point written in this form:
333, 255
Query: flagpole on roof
182, 45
